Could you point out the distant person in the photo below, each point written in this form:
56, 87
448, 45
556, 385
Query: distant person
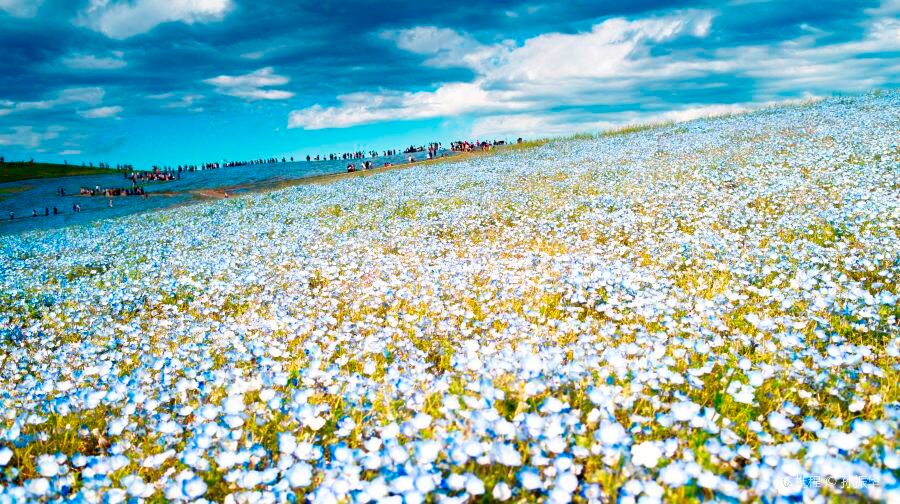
12, 216
34, 213
46, 211
110, 202
55, 211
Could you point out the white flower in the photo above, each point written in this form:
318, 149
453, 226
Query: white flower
811, 425
507, 454
233, 405
844, 441
645, 454
421, 421
456, 481
38, 487
5, 455
741, 393
530, 479
134, 485
474, 486
287, 443
501, 491
685, 410
193, 487
299, 475
779, 422
673, 475
425, 483
47, 466
567, 481
315, 423
611, 433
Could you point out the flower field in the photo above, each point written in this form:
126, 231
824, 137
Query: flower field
699, 311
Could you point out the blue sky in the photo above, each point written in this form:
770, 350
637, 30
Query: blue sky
185, 81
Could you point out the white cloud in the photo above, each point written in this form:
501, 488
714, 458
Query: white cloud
361, 108
804, 64
888, 8
615, 48
100, 112
21, 8
445, 47
610, 65
511, 78
123, 19
69, 96
28, 137
250, 86
70, 152
91, 62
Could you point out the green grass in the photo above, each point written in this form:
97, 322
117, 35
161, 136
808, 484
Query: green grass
14, 171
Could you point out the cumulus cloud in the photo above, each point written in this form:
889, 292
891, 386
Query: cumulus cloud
804, 63
21, 8
615, 48
512, 77
612, 64
124, 19
92, 62
28, 137
100, 112
250, 86
444, 47
361, 108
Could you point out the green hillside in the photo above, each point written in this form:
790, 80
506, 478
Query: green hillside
13, 171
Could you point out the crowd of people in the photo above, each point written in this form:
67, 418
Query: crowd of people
367, 165
432, 149
110, 192
476, 145
155, 175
